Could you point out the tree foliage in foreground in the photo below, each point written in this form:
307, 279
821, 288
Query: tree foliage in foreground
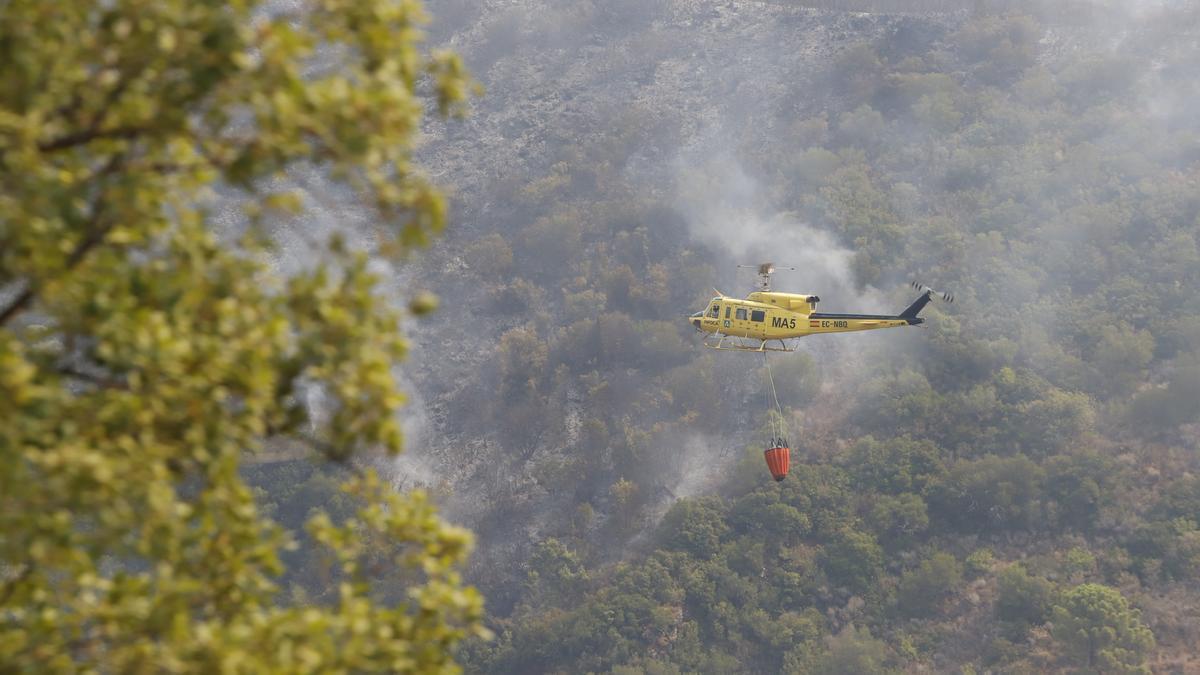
140, 357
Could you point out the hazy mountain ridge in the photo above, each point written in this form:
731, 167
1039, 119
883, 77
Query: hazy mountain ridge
692, 71
1039, 169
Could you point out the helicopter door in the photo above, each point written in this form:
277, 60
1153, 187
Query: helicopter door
758, 323
741, 320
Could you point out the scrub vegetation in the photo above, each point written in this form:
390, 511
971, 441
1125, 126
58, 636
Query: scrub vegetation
1013, 489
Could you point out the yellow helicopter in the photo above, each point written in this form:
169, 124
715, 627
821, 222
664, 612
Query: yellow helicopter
766, 317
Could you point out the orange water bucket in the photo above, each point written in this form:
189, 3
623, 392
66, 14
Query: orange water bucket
778, 461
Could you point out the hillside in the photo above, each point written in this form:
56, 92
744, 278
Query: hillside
958, 492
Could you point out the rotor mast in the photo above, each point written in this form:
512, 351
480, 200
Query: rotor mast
762, 283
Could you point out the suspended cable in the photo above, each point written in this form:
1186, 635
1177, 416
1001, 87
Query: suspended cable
774, 395
767, 396
778, 455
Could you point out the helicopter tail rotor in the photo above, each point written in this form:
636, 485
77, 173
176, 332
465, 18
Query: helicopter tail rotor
910, 313
946, 297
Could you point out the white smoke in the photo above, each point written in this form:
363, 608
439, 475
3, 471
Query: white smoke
728, 210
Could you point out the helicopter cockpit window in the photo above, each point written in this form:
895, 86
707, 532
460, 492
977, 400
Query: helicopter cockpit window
715, 311
758, 315
741, 314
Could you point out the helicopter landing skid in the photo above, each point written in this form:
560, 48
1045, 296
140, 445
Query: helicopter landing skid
737, 344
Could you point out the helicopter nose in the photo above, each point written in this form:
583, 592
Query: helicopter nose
695, 319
